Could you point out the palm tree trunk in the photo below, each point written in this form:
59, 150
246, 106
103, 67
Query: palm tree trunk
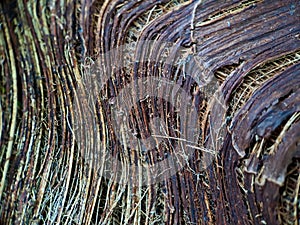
149, 112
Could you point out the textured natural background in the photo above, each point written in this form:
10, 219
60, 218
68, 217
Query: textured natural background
251, 47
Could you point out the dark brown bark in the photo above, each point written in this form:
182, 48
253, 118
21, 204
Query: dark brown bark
57, 107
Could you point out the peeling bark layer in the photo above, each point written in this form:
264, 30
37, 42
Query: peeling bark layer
251, 48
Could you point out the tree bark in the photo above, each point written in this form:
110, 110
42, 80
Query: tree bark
150, 112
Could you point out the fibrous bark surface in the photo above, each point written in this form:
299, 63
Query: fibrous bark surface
63, 76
